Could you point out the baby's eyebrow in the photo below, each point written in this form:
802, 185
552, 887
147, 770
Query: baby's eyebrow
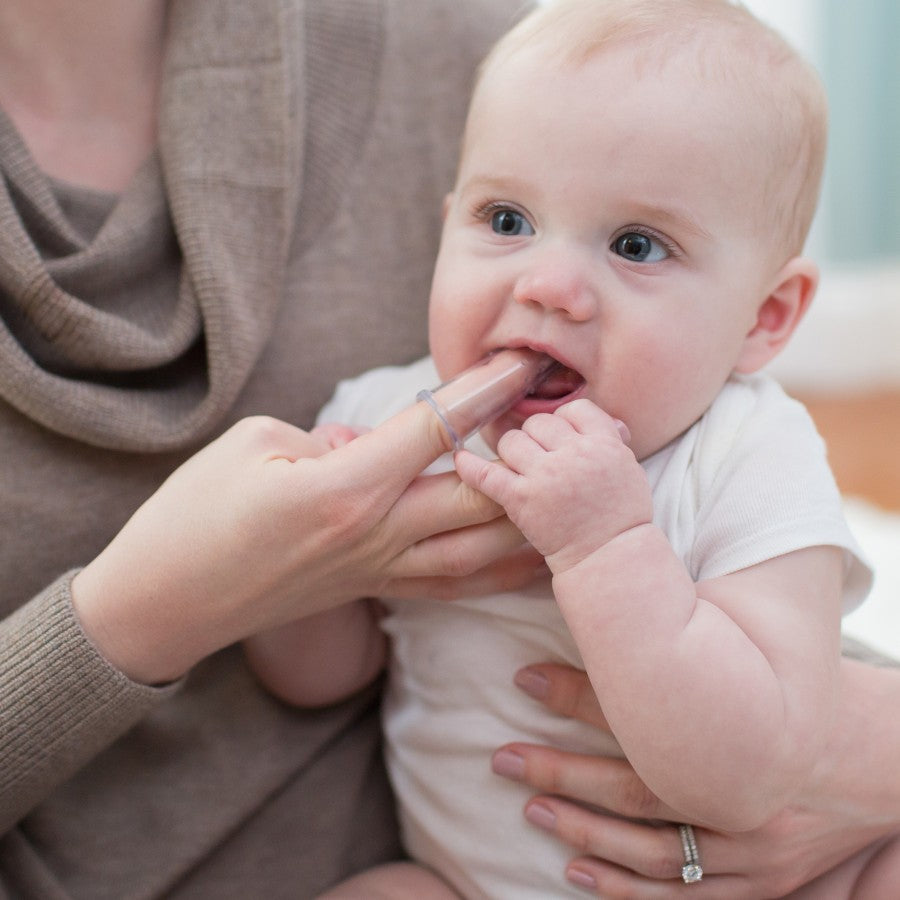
492, 183
670, 218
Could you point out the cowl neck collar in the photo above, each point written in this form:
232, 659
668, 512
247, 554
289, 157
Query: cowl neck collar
141, 336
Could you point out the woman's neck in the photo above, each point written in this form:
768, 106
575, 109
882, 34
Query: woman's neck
81, 81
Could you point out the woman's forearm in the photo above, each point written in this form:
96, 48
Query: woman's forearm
859, 772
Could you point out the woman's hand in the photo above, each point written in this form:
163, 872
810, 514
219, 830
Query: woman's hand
852, 801
268, 523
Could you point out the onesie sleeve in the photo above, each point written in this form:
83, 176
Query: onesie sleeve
763, 487
61, 702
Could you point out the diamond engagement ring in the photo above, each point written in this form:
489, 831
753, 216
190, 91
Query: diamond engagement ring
691, 871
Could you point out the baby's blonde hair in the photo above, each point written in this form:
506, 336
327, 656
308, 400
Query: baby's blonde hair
726, 42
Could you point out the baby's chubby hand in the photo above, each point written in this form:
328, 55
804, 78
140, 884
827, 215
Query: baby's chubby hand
567, 480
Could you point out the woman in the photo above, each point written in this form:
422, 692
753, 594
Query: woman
242, 213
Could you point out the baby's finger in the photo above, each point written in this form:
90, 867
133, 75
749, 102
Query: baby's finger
519, 451
491, 478
548, 431
587, 418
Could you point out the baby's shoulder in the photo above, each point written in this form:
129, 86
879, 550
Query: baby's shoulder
752, 408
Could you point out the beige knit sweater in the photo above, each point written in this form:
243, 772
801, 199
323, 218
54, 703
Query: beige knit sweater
281, 238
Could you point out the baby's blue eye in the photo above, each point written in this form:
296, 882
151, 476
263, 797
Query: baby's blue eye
510, 223
639, 247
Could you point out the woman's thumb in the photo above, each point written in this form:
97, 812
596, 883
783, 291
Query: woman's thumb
399, 449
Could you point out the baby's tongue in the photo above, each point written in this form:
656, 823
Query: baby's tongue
560, 382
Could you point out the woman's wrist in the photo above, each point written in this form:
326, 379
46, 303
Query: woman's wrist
858, 769
139, 646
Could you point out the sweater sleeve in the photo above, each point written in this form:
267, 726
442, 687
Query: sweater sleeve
61, 702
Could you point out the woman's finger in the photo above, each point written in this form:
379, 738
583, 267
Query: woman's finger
269, 438
389, 457
624, 858
563, 689
604, 782
460, 552
510, 572
434, 504
602, 879
384, 466
650, 850
337, 435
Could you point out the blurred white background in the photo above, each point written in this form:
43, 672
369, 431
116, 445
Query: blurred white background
851, 338
850, 341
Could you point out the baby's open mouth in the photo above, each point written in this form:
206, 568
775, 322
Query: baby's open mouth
561, 382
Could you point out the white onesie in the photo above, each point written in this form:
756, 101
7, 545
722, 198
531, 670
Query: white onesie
748, 482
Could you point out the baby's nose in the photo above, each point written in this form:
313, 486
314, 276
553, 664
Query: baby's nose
558, 280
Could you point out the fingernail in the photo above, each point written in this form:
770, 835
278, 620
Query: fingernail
541, 815
624, 433
582, 879
508, 764
533, 683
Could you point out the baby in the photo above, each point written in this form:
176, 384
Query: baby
636, 183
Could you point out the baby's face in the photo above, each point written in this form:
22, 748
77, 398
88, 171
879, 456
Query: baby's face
601, 215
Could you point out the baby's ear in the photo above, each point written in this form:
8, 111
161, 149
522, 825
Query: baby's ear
779, 314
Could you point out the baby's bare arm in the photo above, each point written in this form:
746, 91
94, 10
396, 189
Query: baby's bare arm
719, 693
847, 810
321, 659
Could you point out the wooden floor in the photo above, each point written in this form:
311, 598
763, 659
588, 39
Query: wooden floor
862, 432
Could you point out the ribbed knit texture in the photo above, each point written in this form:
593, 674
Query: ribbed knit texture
188, 347
44, 678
